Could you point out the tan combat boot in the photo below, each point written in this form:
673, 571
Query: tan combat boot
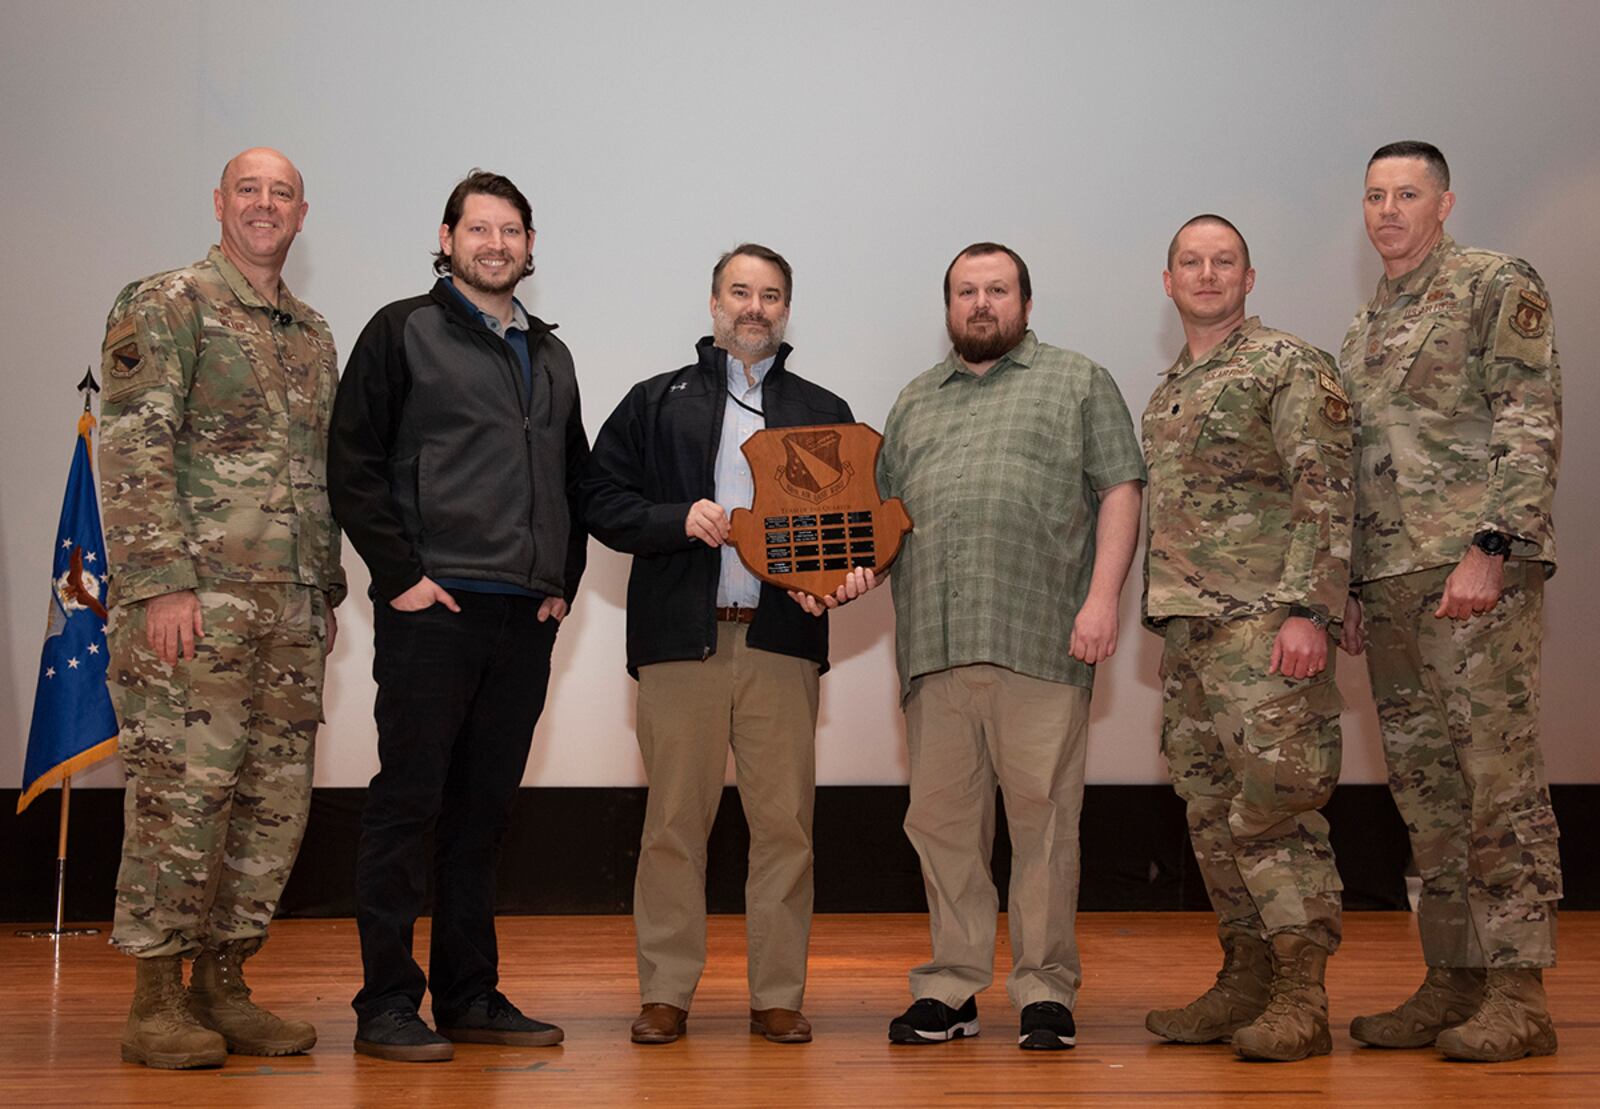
1240, 995
221, 1001
1295, 1023
1513, 1021
1447, 997
160, 1031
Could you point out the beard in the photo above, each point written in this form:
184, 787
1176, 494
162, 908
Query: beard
748, 344
987, 345
468, 272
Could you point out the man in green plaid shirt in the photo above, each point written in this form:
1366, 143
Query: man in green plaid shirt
1019, 463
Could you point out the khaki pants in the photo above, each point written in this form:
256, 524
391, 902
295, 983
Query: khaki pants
764, 706
968, 728
1459, 705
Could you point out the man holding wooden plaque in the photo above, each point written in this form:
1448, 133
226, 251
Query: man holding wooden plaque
1019, 463
723, 659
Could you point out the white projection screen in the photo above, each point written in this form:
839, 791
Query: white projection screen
868, 142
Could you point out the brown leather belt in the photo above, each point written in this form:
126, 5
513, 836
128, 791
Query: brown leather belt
736, 615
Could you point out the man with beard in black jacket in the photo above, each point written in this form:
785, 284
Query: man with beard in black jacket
722, 659
453, 466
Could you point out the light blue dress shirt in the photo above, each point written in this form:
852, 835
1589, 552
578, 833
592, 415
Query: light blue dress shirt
735, 487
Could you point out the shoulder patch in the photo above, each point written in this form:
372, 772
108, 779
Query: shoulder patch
1336, 410
1528, 317
1523, 332
1331, 386
122, 356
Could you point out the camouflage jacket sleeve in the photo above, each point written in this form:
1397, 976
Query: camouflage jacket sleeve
1522, 388
1311, 427
148, 365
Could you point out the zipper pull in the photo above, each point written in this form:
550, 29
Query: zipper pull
527, 430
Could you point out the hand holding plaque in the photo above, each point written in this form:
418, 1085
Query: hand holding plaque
816, 512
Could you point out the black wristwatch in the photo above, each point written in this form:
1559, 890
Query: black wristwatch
1496, 544
1311, 614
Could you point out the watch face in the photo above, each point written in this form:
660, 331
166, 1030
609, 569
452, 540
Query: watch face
1493, 543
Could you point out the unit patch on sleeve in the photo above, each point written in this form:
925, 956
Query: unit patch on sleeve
1523, 331
1330, 385
122, 349
1528, 317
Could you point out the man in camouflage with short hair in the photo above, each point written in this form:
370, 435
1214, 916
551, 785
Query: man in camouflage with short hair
1453, 373
225, 570
1248, 441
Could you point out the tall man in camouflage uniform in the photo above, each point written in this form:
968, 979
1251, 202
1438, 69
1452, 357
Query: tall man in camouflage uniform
1019, 463
225, 571
1457, 392
1248, 442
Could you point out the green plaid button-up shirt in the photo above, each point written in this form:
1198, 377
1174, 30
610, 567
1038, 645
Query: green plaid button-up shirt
1001, 475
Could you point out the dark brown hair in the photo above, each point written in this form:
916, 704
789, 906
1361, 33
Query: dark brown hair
489, 184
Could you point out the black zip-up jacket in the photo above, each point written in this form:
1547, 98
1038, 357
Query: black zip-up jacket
439, 465
655, 457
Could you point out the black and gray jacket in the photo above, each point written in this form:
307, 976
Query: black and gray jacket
656, 456
439, 465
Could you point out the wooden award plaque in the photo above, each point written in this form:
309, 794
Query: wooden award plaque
816, 513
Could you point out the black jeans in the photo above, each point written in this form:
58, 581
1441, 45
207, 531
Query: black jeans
458, 697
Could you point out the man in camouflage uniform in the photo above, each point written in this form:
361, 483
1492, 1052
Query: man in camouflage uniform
1457, 395
1248, 439
225, 571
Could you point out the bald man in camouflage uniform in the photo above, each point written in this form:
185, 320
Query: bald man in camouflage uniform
225, 571
1453, 372
1248, 441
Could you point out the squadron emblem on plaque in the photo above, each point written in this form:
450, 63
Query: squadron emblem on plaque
816, 513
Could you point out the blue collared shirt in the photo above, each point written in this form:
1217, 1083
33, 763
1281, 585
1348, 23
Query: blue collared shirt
735, 487
515, 334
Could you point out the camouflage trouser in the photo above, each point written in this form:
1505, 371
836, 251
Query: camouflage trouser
1254, 755
1459, 705
217, 753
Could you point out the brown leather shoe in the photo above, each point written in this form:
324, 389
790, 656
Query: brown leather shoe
781, 1026
659, 1024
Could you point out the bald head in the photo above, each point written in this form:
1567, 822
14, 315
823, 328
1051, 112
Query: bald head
261, 161
261, 206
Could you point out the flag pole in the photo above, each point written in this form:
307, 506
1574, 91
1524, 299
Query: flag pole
88, 387
61, 878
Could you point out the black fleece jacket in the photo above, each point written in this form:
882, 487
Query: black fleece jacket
655, 457
438, 464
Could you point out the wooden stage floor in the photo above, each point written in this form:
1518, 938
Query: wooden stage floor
65, 1001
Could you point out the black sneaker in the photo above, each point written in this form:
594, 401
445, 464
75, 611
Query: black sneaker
929, 1022
401, 1036
1047, 1026
491, 1019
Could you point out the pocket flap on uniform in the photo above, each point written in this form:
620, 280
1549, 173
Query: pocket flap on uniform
1301, 709
1535, 825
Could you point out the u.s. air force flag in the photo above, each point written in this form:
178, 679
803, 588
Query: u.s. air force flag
73, 723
